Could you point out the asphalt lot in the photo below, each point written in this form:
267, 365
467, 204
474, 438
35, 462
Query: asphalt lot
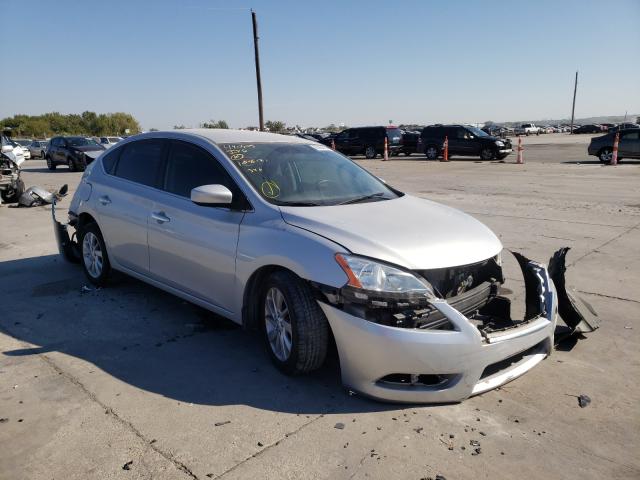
92, 381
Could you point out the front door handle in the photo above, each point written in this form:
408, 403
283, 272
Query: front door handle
104, 200
160, 217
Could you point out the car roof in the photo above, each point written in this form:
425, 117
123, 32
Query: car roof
224, 135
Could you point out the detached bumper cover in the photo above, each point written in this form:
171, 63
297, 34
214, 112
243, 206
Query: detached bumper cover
467, 360
67, 247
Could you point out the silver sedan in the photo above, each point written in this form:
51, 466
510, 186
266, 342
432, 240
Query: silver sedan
286, 236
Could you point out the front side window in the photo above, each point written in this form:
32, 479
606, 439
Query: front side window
141, 162
631, 135
305, 175
189, 167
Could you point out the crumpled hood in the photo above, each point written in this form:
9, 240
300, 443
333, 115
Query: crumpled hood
411, 232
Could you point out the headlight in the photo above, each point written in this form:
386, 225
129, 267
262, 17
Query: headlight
380, 279
500, 143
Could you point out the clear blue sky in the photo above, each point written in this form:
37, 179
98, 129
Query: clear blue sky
186, 61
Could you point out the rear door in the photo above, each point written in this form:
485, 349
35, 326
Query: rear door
193, 247
124, 200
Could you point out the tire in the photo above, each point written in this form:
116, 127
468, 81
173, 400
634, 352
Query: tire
487, 153
42, 154
72, 164
304, 324
50, 164
432, 152
605, 155
13, 195
92, 243
370, 152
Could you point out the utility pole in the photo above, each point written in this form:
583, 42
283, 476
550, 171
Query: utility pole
573, 108
257, 55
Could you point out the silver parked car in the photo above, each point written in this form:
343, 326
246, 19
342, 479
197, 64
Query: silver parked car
38, 148
285, 235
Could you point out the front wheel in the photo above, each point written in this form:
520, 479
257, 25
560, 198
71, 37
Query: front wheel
487, 153
95, 261
605, 155
12, 194
295, 329
370, 152
72, 165
50, 164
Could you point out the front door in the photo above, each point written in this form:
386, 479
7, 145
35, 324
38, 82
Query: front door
629, 144
193, 247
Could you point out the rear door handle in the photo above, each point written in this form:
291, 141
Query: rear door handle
104, 200
160, 217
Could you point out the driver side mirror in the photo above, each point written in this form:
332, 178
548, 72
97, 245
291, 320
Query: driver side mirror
212, 196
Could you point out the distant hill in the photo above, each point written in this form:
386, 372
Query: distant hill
578, 121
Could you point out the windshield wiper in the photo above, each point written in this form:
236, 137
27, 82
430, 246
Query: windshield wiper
299, 204
363, 198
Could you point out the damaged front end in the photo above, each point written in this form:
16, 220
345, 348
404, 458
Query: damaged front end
460, 339
67, 245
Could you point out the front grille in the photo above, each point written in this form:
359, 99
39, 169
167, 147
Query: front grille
452, 281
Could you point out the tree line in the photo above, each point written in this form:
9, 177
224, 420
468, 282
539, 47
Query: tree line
86, 123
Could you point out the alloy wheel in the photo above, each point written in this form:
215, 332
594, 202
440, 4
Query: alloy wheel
92, 254
432, 153
278, 324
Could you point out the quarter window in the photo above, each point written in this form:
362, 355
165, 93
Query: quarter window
141, 162
189, 167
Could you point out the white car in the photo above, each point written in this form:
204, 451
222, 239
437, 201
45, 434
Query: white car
107, 142
22, 145
527, 129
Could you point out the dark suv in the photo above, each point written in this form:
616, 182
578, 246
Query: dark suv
368, 141
463, 140
628, 147
75, 152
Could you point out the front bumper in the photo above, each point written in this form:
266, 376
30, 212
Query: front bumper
467, 361
505, 151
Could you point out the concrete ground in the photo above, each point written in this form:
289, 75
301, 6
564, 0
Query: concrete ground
131, 382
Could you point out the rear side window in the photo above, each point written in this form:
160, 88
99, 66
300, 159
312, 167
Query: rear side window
189, 167
141, 162
109, 160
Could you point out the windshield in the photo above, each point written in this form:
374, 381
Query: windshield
477, 132
304, 175
24, 143
394, 135
80, 141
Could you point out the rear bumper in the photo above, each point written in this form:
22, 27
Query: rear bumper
467, 361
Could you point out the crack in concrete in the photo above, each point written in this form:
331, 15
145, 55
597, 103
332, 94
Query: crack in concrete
268, 447
628, 230
612, 297
544, 219
128, 425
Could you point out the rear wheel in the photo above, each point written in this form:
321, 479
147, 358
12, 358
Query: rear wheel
605, 155
431, 152
95, 261
370, 152
296, 332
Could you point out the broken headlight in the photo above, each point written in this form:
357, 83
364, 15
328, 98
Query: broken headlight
380, 284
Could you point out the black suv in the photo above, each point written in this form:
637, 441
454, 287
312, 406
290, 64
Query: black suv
463, 140
75, 152
368, 141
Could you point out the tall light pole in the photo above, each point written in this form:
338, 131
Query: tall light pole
257, 58
573, 108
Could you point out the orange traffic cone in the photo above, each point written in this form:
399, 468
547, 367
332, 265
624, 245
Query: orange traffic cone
520, 158
333, 144
614, 156
386, 150
445, 148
